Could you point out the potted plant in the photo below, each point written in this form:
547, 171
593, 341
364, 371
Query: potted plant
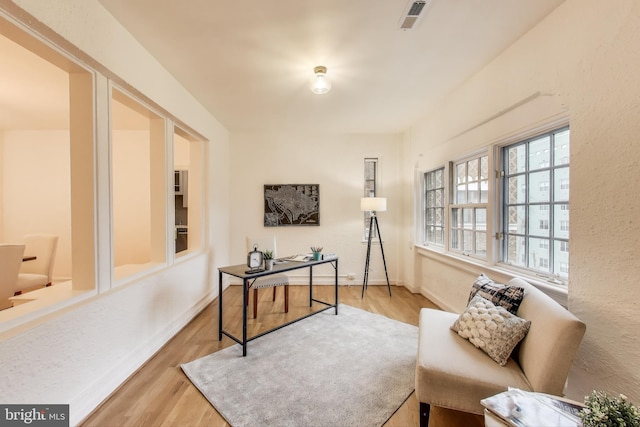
603, 410
317, 252
268, 259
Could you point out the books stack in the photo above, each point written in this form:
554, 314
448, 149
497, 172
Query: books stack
519, 408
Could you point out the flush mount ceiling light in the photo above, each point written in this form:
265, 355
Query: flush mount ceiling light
320, 84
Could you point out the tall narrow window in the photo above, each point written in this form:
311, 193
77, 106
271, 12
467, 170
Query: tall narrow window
434, 207
469, 209
536, 203
370, 187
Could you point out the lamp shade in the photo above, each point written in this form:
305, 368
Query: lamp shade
378, 204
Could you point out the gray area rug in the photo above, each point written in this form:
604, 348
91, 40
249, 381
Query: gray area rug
353, 369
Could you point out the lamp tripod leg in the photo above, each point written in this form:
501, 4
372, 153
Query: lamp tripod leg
366, 264
383, 259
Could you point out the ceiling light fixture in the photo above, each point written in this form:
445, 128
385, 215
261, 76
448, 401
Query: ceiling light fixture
320, 84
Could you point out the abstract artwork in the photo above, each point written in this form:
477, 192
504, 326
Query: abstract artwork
291, 204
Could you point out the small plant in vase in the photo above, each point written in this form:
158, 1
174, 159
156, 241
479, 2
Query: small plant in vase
268, 259
603, 410
317, 252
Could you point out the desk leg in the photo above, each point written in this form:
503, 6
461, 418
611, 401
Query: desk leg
310, 285
220, 306
245, 284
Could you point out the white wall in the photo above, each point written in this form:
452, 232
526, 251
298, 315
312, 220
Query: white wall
584, 60
80, 354
37, 196
336, 162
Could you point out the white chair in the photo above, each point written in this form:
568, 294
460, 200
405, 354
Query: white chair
271, 281
10, 261
37, 272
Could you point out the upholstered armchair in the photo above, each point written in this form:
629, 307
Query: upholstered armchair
453, 373
10, 261
38, 272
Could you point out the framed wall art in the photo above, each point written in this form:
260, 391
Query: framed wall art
291, 204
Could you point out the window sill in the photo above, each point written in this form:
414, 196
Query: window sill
556, 291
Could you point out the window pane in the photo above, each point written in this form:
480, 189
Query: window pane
539, 153
538, 255
561, 221
472, 174
517, 189
473, 193
456, 239
456, 218
516, 250
484, 191
517, 219
468, 240
561, 259
538, 222
539, 187
561, 148
439, 219
439, 178
481, 243
439, 197
461, 173
467, 216
561, 185
516, 158
484, 167
461, 194
481, 219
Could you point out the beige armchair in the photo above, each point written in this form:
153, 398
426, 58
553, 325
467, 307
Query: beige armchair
38, 272
10, 260
452, 373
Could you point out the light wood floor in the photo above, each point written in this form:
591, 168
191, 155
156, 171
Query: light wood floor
159, 394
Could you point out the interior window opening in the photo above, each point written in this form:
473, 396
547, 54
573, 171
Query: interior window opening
46, 190
138, 178
187, 185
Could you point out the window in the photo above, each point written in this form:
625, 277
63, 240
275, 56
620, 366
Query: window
536, 203
370, 187
469, 210
434, 207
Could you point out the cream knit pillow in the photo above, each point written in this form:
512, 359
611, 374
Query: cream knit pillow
491, 328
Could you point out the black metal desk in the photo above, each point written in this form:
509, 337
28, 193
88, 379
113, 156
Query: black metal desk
240, 271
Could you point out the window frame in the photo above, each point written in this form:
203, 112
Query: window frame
370, 184
427, 178
457, 207
556, 167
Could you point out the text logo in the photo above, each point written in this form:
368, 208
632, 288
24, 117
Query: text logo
34, 415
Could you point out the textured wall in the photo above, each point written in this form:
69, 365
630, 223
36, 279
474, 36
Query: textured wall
581, 62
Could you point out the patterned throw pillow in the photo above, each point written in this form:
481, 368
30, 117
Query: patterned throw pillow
491, 328
505, 296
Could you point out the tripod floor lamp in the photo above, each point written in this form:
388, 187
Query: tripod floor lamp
373, 205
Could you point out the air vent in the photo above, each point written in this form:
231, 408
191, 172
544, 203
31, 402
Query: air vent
412, 13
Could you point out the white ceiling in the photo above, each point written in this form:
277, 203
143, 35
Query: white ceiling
250, 62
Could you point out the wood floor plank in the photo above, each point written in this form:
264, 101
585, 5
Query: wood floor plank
159, 394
